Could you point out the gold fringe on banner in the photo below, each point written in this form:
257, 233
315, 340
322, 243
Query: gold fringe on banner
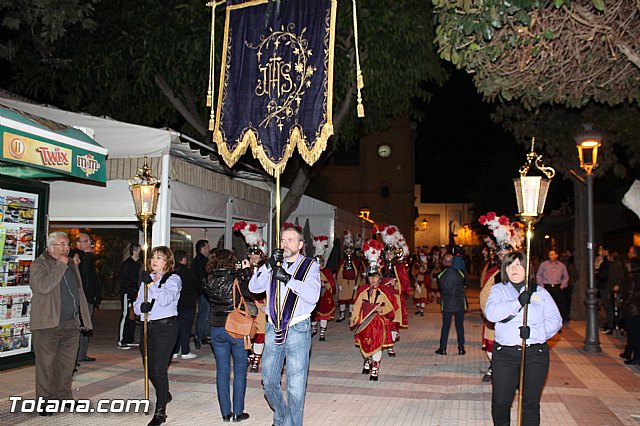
359, 78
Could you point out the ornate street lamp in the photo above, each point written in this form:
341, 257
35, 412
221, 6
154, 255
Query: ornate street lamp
144, 190
588, 144
424, 224
531, 194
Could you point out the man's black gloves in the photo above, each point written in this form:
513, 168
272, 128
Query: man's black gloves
277, 257
525, 332
146, 277
145, 307
282, 275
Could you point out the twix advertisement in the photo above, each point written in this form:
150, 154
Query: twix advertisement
31, 151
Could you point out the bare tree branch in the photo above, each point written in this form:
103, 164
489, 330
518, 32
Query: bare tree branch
179, 105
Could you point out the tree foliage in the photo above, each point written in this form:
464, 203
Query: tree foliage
147, 62
545, 51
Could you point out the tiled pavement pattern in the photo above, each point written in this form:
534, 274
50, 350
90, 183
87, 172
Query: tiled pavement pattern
415, 388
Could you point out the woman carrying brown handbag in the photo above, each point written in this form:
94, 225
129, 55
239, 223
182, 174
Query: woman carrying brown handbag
222, 275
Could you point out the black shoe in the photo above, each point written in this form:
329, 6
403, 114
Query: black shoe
240, 417
87, 359
441, 351
158, 418
632, 362
227, 418
487, 376
417, 313
625, 355
462, 352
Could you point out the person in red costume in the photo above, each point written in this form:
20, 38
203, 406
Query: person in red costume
256, 257
372, 314
347, 277
326, 306
395, 276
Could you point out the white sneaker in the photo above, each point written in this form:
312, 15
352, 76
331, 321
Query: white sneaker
190, 355
175, 356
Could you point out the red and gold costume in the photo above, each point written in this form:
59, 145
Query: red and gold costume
326, 306
376, 335
347, 279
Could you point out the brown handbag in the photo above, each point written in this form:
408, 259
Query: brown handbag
240, 323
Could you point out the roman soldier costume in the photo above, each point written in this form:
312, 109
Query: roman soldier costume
395, 276
347, 277
256, 249
371, 315
326, 306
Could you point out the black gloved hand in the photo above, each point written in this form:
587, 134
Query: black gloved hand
282, 275
525, 332
146, 277
276, 258
525, 297
145, 307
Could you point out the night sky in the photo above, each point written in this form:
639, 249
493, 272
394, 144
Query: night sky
463, 156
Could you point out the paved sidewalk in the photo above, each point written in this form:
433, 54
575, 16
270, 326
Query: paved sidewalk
415, 388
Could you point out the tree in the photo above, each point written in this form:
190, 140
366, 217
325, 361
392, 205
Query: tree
146, 62
545, 51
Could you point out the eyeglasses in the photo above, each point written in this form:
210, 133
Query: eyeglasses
61, 244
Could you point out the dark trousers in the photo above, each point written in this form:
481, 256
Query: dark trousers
506, 378
568, 295
558, 294
446, 325
185, 318
633, 336
55, 349
162, 336
606, 299
127, 327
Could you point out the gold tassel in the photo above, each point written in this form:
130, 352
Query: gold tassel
359, 78
212, 5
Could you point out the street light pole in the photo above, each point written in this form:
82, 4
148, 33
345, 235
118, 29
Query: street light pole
587, 145
592, 340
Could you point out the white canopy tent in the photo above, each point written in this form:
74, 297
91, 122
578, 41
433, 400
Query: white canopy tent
193, 190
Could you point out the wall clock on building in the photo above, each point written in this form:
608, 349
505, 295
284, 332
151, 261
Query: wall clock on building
384, 151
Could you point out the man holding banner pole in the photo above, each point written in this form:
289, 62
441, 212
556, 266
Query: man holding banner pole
292, 284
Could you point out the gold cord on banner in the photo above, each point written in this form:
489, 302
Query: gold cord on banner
212, 120
359, 79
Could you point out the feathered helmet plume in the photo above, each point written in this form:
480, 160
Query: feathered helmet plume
372, 250
393, 238
320, 245
507, 235
251, 236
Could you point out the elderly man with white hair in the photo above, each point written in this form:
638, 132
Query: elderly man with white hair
59, 310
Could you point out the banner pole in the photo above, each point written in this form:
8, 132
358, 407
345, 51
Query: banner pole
524, 323
277, 242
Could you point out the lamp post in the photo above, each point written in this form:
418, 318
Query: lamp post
531, 194
588, 145
144, 190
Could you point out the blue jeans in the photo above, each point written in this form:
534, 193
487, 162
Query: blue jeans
296, 351
225, 347
202, 321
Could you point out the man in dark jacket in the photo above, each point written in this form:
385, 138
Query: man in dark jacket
451, 285
91, 286
186, 305
129, 284
631, 308
198, 267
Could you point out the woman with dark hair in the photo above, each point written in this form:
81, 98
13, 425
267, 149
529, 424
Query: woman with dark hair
162, 331
222, 275
505, 308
